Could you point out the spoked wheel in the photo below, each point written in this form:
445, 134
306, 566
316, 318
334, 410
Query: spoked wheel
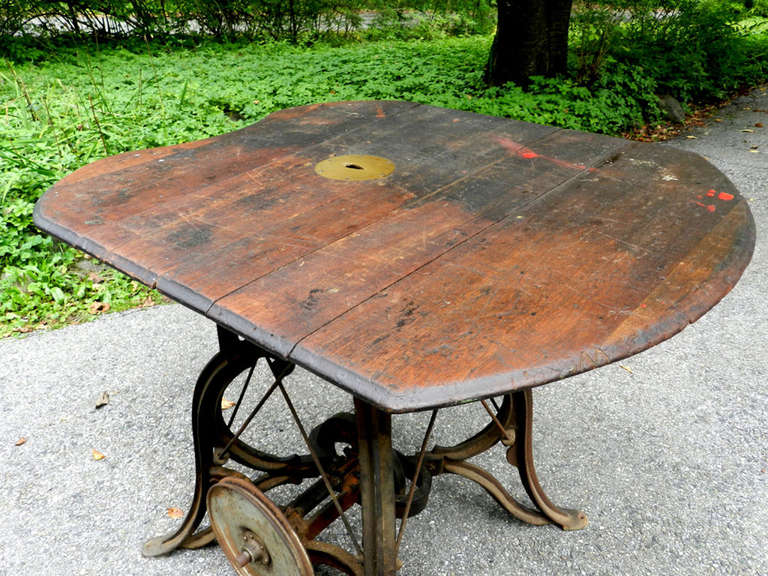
233, 373
254, 534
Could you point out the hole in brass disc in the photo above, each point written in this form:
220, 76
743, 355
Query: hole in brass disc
354, 167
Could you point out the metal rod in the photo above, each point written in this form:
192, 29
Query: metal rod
251, 416
496, 420
242, 394
320, 469
412, 490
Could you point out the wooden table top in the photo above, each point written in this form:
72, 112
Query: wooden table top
472, 256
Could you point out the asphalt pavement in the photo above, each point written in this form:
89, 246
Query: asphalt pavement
666, 452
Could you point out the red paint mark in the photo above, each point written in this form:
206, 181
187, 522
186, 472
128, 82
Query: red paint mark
380, 112
725, 196
711, 193
643, 305
517, 149
509, 145
709, 207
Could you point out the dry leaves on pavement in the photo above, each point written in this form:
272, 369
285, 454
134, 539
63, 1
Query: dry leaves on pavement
226, 404
175, 513
103, 400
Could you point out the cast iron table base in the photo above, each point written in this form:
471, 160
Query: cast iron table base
368, 472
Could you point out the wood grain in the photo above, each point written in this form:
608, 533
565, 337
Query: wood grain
498, 255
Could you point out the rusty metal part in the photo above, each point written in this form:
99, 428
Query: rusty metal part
221, 456
523, 458
512, 425
205, 536
239, 402
507, 434
254, 534
330, 555
252, 550
367, 470
355, 167
414, 482
496, 490
405, 467
318, 464
377, 489
211, 434
480, 442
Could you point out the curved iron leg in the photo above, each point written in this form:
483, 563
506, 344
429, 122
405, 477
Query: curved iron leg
204, 445
520, 454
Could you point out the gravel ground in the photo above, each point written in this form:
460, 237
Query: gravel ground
666, 452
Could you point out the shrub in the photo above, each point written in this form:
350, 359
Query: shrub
693, 49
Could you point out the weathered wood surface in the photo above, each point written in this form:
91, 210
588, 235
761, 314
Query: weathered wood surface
498, 255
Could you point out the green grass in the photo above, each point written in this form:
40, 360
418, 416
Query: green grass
74, 105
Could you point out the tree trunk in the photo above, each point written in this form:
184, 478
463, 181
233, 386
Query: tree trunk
531, 40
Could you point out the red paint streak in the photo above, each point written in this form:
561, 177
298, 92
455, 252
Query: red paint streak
380, 112
725, 196
711, 193
509, 145
517, 149
709, 207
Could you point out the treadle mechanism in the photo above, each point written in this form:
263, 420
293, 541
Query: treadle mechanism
261, 539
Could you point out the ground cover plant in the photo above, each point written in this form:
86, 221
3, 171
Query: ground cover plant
65, 103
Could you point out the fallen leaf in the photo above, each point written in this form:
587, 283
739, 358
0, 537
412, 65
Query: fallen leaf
625, 368
21, 441
718, 119
97, 455
758, 124
691, 137
95, 278
103, 400
749, 130
97, 307
754, 150
175, 513
226, 404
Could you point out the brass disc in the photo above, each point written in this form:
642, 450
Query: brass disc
254, 534
354, 167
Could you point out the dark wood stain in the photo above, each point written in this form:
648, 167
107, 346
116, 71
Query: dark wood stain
498, 255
